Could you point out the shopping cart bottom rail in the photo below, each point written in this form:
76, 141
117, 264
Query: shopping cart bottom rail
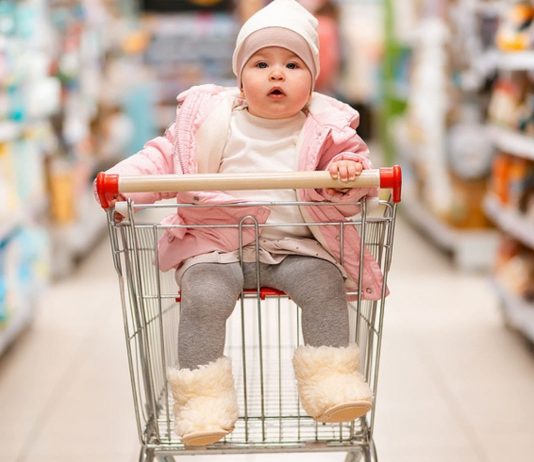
355, 453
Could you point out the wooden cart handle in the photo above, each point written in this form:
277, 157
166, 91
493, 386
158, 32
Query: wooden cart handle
110, 185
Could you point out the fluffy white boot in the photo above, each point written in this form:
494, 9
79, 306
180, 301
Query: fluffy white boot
205, 404
330, 387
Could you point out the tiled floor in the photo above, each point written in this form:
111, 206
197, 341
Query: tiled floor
455, 384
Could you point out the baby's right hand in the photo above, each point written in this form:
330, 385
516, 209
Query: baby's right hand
345, 170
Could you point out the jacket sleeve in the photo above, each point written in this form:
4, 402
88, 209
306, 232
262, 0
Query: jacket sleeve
156, 158
346, 145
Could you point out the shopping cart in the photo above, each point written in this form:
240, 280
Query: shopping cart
261, 334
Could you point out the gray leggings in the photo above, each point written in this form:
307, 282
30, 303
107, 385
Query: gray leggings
210, 292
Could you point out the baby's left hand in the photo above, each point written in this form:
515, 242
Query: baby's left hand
345, 170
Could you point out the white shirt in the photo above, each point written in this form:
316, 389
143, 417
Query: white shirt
256, 144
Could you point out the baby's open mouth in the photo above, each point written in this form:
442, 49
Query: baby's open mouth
276, 92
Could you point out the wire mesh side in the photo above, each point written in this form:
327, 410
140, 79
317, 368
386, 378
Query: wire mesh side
270, 413
151, 316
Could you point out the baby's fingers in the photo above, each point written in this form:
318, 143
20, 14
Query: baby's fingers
333, 170
344, 172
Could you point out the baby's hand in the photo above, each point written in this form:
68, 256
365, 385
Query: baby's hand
345, 170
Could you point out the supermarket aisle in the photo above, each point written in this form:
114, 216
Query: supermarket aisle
455, 385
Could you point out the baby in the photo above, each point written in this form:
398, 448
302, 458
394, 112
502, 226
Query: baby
273, 122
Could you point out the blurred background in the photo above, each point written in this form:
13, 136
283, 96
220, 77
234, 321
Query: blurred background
444, 88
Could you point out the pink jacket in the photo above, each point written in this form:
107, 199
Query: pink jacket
194, 144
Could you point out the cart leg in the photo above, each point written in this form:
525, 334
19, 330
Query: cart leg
146, 455
363, 455
371, 455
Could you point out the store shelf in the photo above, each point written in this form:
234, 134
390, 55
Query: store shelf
518, 61
8, 223
510, 221
511, 141
16, 323
72, 241
472, 250
9, 131
513, 61
518, 311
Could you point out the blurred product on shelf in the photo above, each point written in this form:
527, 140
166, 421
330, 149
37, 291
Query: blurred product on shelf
526, 114
62, 197
24, 262
512, 184
507, 98
516, 30
469, 154
514, 284
469, 160
361, 51
427, 112
466, 212
499, 180
514, 269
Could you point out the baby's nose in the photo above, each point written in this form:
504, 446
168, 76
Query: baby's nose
276, 75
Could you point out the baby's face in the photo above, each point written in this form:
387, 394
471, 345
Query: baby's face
276, 83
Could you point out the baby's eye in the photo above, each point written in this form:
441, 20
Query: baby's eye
261, 64
292, 65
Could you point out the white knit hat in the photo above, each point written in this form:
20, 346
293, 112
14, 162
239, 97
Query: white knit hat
283, 23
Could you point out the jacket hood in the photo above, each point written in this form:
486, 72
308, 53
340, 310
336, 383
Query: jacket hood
330, 111
208, 89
